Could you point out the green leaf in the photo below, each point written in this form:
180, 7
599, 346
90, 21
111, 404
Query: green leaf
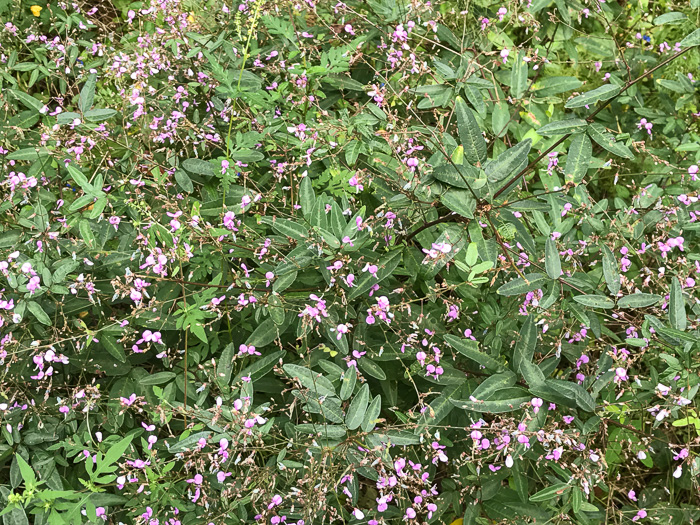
247, 156
371, 368
87, 94
86, 233
470, 349
347, 383
564, 392
527, 343
607, 141
373, 411
550, 492
356, 411
80, 179
183, 180
676, 310
199, 167
261, 366
518, 76
552, 262
520, 286
27, 100
307, 196
158, 378
352, 151
604, 92
27, 472
556, 85
595, 301
532, 374
99, 114
563, 127
476, 99
224, 365
492, 384
475, 150
29, 154
14, 515
508, 163
672, 17
276, 310
314, 381
264, 334
39, 313
578, 159
491, 407
189, 443
500, 119
113, 348
114, 453
638, 300
460, 176
287, 227
459, 201
343, 82
611, 270
326, 431
693, 39
386, 266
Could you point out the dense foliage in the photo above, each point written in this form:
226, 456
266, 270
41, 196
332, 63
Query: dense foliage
374, 261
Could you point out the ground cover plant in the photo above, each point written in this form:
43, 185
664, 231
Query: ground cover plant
364, 262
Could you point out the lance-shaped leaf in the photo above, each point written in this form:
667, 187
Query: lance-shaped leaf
500, 406
676, 310
638, 300
470, 349
605, 92
459, 201
386, 265
611, 271
607, 141
552, 262
527, 342
578, 158
460, 176
556, 85
493, 384
357, 408
563, 127
469, 133
595, 301
551, 492
520, 286
518, 76
312, 380
87, 94
198, 167
509, 162
693, 39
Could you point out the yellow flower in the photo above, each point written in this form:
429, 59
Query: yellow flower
190, 18
36, 10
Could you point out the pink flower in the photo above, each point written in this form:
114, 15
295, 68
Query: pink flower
33, 284
536, 403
